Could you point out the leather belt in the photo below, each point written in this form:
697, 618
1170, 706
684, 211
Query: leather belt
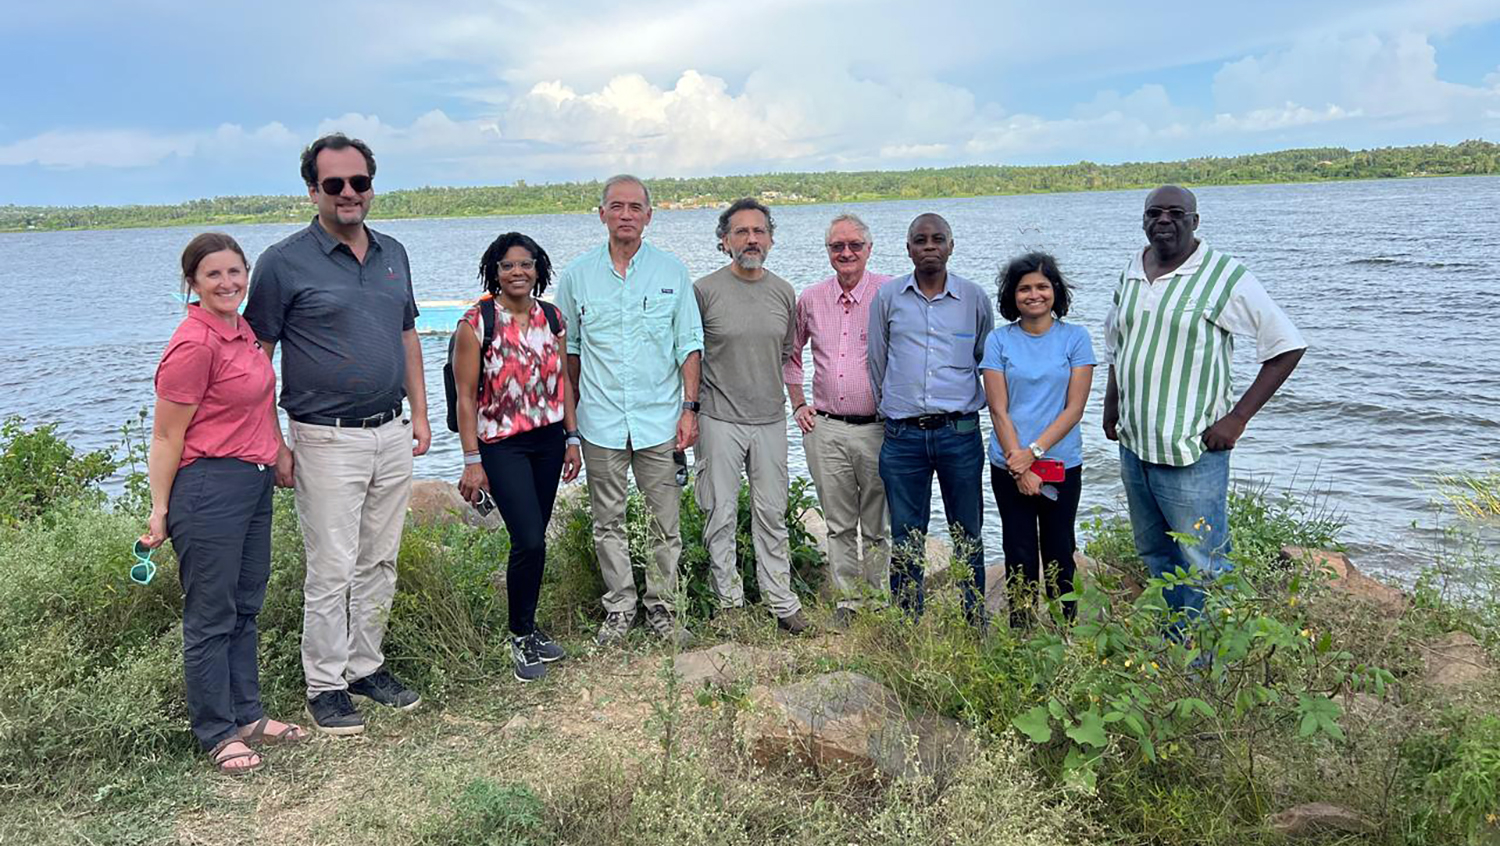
854, 419
370, 422
935, 421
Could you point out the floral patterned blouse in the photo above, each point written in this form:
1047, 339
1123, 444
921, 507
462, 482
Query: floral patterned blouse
521, 385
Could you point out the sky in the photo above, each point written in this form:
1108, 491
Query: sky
151, 101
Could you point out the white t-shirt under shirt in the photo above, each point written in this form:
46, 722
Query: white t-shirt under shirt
1037, 370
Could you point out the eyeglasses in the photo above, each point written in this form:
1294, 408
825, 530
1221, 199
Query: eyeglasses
854, 247
335, 184
143, 570
524, 264
1175, 213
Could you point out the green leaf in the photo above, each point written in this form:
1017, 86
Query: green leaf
1034, 724
1078, 771
1090, 729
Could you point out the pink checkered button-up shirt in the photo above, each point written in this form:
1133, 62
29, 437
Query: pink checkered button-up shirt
837, 324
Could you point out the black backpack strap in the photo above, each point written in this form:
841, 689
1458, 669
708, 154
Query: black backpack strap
487, 317
554, 320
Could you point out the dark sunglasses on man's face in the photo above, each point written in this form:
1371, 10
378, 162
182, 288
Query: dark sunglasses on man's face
335, 184
853, 246
1175, 213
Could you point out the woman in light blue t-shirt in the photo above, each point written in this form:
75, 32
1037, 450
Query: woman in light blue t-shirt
1037, 372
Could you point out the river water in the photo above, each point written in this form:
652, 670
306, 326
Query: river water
1395, 284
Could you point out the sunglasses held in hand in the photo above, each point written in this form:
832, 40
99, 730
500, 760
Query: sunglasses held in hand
144, 569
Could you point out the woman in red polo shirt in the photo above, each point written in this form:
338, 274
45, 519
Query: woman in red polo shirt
212, 466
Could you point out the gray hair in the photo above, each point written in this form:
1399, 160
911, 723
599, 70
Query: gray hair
623, 178
743, 204
848, 217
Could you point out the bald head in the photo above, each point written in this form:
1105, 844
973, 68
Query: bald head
1172, 195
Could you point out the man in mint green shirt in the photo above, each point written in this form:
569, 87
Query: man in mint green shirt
635, 341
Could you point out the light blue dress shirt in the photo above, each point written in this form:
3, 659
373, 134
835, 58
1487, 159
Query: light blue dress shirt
631, 335
924, 354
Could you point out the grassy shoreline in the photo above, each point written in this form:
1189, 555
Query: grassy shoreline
1098, 734
1334, 164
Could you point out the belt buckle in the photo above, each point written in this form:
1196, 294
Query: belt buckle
928, 422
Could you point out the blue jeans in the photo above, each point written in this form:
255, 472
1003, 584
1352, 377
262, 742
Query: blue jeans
1191, 500
908, 458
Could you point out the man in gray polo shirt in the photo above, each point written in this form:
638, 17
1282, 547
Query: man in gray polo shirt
338, 297
748, 331
927, 332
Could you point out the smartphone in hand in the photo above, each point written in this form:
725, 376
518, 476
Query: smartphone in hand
1049, 469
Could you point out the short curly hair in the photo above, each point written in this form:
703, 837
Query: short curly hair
743, 204
489, 264
332, 141
1010, 279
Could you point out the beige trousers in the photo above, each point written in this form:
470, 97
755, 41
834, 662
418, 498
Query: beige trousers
656, 476
844, 459
724, 451
352, 488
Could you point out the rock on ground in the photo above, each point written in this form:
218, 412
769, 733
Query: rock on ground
437, 501
1455, 659
723, 665
850, 719
1347, 579
1315, 818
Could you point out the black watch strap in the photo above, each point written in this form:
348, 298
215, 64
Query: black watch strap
689, 405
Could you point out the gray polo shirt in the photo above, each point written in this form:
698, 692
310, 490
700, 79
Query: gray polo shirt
924, 354
338, 322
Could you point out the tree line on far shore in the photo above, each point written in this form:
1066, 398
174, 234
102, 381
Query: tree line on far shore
1316, 164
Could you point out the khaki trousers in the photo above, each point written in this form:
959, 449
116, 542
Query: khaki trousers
724, 451
352, 488
656, 476
844, 459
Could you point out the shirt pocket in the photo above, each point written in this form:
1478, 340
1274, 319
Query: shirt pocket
656, 314
961, 353
599, 321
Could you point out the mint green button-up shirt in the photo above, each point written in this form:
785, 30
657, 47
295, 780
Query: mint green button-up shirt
631, 336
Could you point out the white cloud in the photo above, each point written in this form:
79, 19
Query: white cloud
132, 148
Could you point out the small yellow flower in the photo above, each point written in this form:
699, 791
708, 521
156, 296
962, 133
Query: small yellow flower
1199, 524
1104, 660
1128, 662
1292, 601
1491, 818
1155, 666
1307, 633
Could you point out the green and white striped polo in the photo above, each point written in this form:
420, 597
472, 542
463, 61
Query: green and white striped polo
1171, 343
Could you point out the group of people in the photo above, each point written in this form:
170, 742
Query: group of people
902, 368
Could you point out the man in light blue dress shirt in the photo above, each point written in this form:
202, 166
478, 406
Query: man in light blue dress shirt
926, 339
634, 346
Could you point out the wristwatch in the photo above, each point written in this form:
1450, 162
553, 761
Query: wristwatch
690, 405
1036, 450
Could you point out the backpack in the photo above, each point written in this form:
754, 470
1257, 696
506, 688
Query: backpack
487, 318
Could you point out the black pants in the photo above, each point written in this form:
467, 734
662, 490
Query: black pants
1037, 532
219, 519
523, 471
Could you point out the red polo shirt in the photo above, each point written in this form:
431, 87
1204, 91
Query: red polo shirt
223, 372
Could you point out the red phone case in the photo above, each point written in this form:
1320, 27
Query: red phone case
1049, 470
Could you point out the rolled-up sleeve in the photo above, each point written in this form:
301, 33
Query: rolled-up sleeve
687, 320
567, 306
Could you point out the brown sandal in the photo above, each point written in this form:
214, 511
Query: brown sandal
222, 760
256, 733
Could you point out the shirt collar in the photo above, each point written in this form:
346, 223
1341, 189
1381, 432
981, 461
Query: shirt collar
856, 294
200, 314
910, 284
330, 243
1189, 267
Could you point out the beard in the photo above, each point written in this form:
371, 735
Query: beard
750, 261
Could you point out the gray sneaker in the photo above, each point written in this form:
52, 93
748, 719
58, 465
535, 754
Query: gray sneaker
664, 624
614, 628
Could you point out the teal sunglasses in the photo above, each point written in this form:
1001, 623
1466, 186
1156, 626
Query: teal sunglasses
144, 569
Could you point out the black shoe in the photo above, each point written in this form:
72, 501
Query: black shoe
529, 666
333, 713
383, 688
546, 647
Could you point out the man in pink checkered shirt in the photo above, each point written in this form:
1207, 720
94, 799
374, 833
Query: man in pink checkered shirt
841, 434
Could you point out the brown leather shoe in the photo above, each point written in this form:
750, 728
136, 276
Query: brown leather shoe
794, 624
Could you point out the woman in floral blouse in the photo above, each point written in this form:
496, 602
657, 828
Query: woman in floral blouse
517, 424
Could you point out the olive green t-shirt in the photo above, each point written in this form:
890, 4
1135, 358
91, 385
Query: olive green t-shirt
748, 332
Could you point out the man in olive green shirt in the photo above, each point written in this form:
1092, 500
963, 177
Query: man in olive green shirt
748, 331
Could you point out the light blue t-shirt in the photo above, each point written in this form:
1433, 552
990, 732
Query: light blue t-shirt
1037, 369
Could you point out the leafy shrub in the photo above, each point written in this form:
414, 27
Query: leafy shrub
37, 468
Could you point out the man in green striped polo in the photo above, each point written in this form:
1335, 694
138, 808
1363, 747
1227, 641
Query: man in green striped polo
1169, 338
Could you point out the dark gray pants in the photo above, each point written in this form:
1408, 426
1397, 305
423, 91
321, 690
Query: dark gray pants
219, 518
